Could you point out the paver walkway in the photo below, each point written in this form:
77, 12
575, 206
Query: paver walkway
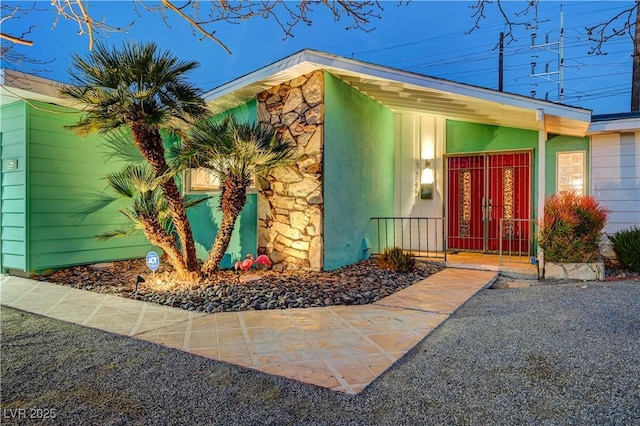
343, 348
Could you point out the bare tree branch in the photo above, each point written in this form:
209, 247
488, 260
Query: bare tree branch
76, 11
13, 58
9, 13
605, 31
204, 15
195, 24
510, 23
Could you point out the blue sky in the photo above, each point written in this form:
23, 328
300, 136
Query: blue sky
428, 37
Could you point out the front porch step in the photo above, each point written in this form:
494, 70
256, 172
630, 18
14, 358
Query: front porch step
524, 271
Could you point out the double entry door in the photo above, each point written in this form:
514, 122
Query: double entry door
482, 190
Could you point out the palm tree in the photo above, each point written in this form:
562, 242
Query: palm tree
144, 89
144, 207
235, 153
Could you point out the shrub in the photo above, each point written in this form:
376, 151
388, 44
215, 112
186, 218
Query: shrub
396, 259
571, 228
626, 245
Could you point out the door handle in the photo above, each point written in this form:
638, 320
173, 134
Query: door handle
490, 209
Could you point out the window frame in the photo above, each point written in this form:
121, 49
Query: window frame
212, 189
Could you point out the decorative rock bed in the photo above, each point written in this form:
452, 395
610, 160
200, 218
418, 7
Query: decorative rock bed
357, 284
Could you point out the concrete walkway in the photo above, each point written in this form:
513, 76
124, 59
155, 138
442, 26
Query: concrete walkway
343, 348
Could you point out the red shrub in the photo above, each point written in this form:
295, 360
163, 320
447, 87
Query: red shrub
571, 228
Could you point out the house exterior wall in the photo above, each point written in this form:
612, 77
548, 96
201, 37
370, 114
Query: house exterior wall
359, 170
615, 178
205, 218
63, 171
291, 203
562, 144
13, 198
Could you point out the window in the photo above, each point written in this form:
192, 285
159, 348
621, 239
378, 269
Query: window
202, 180
570, 172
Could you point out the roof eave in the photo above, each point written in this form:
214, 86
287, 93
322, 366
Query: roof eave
249, 85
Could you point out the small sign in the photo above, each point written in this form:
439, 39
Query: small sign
153, 261
12, 164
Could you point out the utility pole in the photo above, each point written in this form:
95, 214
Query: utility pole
635, 84
549, 47
501, 64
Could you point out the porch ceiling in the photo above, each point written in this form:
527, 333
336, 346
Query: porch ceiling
403, 91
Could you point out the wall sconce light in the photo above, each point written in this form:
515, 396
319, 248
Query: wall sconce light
427, 178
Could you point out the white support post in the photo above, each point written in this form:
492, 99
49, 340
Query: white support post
542, 140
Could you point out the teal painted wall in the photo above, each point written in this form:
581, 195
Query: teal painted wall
63, 172
205, 221
358, 170
206, 217
462, 137
559, 144
13, 199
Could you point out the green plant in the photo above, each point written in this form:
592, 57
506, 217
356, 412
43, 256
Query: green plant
144, 90
571, 228
396, 259
235, 152
626, 245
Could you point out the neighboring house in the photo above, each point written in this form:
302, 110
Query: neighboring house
378, 142
615, 167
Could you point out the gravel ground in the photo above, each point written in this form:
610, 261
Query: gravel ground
544, 355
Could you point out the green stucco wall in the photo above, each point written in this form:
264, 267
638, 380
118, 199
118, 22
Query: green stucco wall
13, 199
247, 112
358, 170
463, 137
205, 218
558, 144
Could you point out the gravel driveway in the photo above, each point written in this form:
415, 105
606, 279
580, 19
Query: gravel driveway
548, 354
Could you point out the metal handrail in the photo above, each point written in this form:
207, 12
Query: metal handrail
423, 236
530, 241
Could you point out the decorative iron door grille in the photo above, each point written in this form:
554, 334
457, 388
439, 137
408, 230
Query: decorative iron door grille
482, 189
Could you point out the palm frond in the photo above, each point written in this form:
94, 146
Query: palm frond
134, 81
191, 201
239, 150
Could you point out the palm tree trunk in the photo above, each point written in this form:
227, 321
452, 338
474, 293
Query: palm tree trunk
149, 142
157, 236
220, 245
233, 197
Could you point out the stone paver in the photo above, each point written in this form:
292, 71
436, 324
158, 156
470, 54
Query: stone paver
343, 348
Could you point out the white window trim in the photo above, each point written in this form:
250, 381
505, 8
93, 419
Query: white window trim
207, 190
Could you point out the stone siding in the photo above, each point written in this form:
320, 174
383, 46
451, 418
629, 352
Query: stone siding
290, 203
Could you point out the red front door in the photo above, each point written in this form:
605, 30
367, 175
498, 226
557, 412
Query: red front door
482, 190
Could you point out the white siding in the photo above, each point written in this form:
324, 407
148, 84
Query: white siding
615, 177
419, 137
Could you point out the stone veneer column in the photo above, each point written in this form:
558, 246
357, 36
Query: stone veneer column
290, 203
